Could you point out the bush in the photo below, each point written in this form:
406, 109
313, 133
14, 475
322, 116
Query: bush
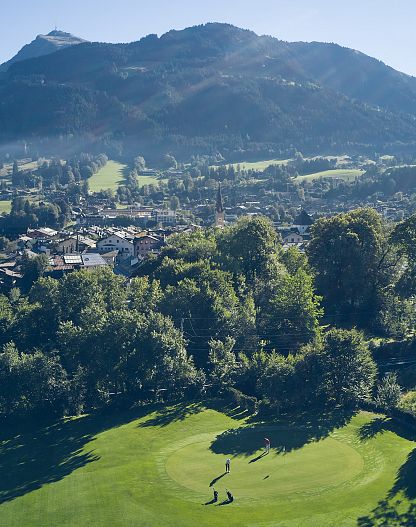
241, 399
408, 402
388, 392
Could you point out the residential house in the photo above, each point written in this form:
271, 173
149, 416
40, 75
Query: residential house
117, 242
146, 244
292, 237
303, 222
165, 216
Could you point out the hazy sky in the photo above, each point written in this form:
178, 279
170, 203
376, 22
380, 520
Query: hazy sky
381, 28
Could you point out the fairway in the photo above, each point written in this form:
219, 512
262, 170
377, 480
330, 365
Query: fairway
159, 468
346, 175
109, 177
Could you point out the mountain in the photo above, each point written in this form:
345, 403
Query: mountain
44, 45
206, 89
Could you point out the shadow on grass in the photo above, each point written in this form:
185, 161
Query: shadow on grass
177, 412
180, 411
379, 425
258, 457
297, 430
217, 479
393, 510
32, 455
225, 502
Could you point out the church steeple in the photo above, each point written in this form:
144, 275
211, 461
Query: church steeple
219, 209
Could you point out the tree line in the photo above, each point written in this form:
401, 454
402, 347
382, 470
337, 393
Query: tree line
217, 312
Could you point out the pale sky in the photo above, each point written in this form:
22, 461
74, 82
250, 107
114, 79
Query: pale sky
384, 29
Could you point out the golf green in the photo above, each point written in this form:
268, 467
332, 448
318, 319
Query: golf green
325, 464
158, 468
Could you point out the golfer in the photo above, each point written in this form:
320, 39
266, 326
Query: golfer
267, 445
227, 465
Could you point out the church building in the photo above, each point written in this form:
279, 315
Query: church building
219, 209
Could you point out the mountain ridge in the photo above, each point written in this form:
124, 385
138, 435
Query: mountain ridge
53, 41
213, 87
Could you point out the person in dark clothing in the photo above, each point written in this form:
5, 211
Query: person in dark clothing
215, 499
230, 496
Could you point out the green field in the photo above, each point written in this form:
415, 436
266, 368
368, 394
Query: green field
149, 180
5, 206
109, 177
259, 165
112, 175
346, 175
158, 469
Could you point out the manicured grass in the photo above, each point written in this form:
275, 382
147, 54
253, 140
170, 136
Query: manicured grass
259, 165
262, 165
5, 206
148, 180
155, 469
112, 175
109, 177
346, 175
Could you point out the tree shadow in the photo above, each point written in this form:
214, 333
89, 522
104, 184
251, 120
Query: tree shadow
287, 433
230, 410
379, 425
33, 455
176, 412
373, 428
180, 411
406, 479
389, 514
393, 510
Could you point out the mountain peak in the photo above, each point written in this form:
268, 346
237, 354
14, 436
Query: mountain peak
58, 33
44, 45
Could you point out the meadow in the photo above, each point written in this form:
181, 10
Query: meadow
257, 165
345, 174
109, 177
159, 467
112, 175
5, 206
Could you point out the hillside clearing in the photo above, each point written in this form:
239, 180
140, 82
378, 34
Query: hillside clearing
5, 206
109, 177
344, 174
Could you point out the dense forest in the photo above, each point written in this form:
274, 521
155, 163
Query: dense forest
218, 312
207, 89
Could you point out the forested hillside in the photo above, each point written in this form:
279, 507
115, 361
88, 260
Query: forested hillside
207, 89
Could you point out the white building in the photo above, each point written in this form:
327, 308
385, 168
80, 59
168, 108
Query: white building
165, 217
116, 242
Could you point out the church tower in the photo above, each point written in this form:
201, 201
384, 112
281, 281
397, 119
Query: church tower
219, 209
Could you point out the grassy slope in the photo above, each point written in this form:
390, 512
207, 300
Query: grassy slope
154, 470
346, 175
262, 165
5, 206
257, 165
148, 180
109, 176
